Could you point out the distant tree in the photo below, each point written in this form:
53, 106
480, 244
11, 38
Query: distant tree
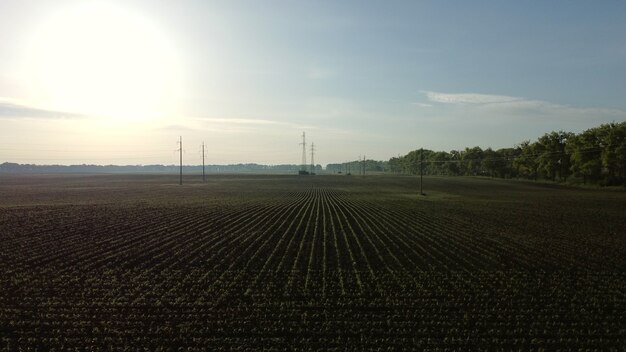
525, 163
489, 162
596, 155
613, 141
586, 155
505, 167
454, 164
396, 165
471, 161
411, 162
438, 163
554, 161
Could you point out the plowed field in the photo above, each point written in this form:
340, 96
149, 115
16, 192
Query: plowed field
309, 263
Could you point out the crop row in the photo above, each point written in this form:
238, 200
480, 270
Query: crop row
312, 269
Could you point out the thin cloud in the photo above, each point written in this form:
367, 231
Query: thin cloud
519, 105
12, 108
242, 122
469, 98
239, 121
175, 128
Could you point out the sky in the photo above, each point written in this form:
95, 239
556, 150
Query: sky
118, 82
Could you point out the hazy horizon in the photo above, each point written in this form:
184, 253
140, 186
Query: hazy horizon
118, 82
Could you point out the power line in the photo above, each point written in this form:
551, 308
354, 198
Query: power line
63, 145
126, 158
74, 151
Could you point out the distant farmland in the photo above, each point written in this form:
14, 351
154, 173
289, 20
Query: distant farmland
309, 263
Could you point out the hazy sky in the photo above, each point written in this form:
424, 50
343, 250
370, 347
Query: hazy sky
118, 82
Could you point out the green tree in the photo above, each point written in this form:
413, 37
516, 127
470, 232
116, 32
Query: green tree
505, 165
454, 164
471, 161
554, 161
526, 162
586, 155
493, 163
613, 141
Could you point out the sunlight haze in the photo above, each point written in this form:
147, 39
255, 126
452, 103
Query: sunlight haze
117, 82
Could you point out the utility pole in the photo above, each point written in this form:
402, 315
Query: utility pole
180, 149
303, 152
203, 174
421, 171
363, 165
312, 158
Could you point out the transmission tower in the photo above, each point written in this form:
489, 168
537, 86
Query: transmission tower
312, 158
303, 152
422, 171
363, 165
180, 149
360, 165
203, 174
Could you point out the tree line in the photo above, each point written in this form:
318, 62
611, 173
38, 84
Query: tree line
358, 167
170, 169
597, 155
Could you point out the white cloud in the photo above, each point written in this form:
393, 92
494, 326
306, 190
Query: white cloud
239, 121
245, 124
468, 98
15, 108
503, 104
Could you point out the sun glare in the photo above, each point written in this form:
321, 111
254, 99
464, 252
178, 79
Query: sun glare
102, 60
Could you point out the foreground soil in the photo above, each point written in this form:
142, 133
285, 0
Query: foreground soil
119, 262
